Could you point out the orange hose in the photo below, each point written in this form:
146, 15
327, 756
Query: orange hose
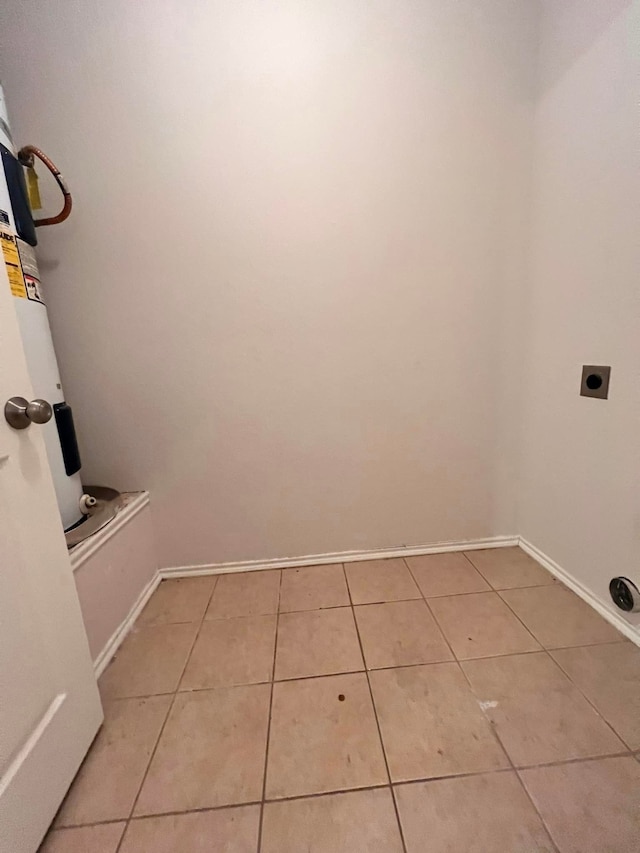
25, 156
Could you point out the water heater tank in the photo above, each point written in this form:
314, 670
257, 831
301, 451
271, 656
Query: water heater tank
17, 237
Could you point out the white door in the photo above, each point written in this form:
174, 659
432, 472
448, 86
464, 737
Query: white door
49, 704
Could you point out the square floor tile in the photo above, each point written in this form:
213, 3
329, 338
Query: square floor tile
432, 724
108, 781
245, 594
178, 600
609, 676
232, 651
589, 805
557, 617
211, 752
103, 838
446, 574
233, 830
380, 580
317, 642
323, 737
489, 812
507, 568
313, 588
481, 625
400, 633
538, 714
336, 823
150, 660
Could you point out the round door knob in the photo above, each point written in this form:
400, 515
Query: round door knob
19, 413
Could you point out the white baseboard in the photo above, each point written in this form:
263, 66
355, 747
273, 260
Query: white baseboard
80, 553
338, 557
112, 645
617, 620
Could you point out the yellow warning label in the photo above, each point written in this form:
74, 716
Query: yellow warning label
33, 191
16, 281
12, 262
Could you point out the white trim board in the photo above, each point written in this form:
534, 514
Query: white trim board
109, 650
80, 553
113, 643
338, 557
616, 619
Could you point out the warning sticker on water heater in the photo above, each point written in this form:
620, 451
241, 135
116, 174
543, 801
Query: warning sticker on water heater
30, 271
33, 289
12, 263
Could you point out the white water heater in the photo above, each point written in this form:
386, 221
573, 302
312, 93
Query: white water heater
18, 239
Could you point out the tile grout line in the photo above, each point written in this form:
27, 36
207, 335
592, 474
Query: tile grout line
433, 616
526, 627
519, 770
484, 714
547, 652
370, 668
543, 650
455, 657
352, 671
471, 563
481, 592
382, 786
375, 715
588, 700
330, 674
166, 719
169, 813
482, 575
494, 728
557, 582
547, 828
272, 688
512, 768
537, 639
490, 589
536, 810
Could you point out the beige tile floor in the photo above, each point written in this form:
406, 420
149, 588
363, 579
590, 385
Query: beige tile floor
456, 703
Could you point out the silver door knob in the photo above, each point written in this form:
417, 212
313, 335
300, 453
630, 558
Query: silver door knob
19, 413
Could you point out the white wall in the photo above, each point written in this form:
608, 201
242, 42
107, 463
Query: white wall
280, 303
580, 495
